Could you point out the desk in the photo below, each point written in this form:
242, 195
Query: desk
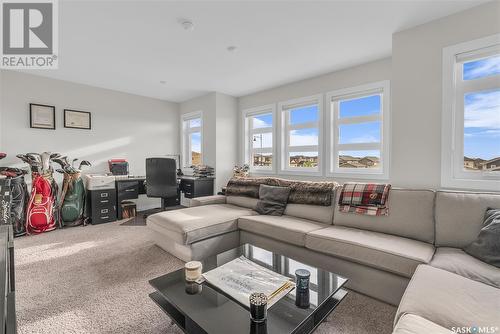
132, 187
128, 188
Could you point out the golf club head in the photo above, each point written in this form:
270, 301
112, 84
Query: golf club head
60, 162
45, 156
24, 158
84, 163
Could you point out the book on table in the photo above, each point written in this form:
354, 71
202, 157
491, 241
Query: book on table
241, 277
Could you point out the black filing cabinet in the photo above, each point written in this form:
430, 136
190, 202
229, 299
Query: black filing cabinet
197, 187
101, 205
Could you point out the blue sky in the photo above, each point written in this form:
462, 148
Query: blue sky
481, 68
481, 118
482, 125
196, 142
482, 112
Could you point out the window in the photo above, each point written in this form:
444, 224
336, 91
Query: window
259, 138
192, 135
301, 140
471, 115
359, 131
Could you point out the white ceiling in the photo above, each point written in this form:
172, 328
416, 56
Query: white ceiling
131, 46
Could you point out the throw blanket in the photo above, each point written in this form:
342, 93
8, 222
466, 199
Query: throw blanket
301, 192
365, 198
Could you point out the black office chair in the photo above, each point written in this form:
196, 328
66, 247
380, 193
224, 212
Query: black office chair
161, 180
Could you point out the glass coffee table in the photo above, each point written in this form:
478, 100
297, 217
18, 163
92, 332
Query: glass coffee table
206, 309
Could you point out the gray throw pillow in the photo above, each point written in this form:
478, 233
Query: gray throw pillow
272, 200
487, 245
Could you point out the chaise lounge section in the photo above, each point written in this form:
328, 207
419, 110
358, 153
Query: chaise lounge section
420, 240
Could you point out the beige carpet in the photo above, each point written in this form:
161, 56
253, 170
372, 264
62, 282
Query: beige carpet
94, 279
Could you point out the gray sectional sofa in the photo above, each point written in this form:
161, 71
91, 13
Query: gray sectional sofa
411, 258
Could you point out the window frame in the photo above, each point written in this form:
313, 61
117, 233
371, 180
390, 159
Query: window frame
186, 131
285, 128
247, 145
333, 123
453, 174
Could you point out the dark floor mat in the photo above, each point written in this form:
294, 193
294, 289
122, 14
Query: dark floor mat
140, 219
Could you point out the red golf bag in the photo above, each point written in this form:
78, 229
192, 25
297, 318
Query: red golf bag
41, 205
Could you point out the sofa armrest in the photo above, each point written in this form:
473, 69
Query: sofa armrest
207, 200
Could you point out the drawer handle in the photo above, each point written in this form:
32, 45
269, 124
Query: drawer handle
129, 190
104, 211
105, 217
105, 201
104, 195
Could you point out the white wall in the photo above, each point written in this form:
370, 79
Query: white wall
415, 72
354, 76
227, 138
123, 125
220, 127
417, 90
207, 105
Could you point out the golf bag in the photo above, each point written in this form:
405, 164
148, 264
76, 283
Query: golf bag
5, 201
72, 203
18, 193
41, 212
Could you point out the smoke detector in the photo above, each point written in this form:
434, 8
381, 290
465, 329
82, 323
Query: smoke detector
187, 25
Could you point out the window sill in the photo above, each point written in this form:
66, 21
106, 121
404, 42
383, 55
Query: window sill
301, 172
468, 184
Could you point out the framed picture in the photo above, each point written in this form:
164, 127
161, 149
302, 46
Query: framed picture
77, 119
42, 116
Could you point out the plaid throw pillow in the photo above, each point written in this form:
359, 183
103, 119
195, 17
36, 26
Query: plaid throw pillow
364, 198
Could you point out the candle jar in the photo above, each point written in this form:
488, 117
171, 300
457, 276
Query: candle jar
258, 327
302, 299
302, 279
193, 288
193, 270
258, 307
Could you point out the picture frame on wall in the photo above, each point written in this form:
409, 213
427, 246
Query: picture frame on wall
42, 116
76, 119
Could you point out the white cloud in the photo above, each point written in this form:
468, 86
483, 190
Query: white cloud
482, 110
298, 139
487, 67
364, 139
267, 140
259, 123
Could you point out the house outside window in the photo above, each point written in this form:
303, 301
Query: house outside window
471, 115
359, 130
192, 139
259, 139
301, 135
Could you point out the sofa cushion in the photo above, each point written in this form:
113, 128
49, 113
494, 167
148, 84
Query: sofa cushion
414, 324
244, 202
459, 216
487, 245
318, 213
285, 228
450, 300
457, 261
208, 200
272, 200
382, 251
197, 223
411, 215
